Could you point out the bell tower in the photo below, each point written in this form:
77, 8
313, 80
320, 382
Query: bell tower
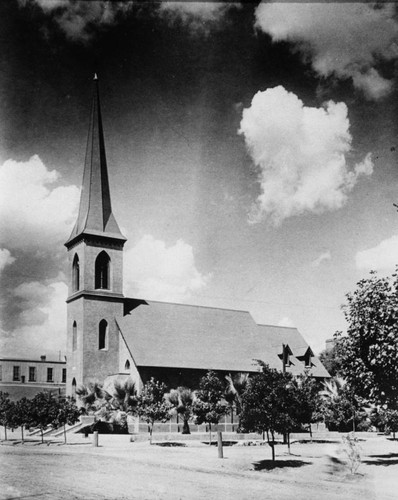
95, 250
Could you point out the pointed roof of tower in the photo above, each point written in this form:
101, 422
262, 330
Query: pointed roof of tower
95, 210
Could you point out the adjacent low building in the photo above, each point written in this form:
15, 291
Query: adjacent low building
20, 377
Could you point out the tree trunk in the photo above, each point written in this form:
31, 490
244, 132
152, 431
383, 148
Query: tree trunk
150, 433
209, 434
311, 430
65, 433
5, 433
22, 434
273, 446
185, 427
288, 442
42, 435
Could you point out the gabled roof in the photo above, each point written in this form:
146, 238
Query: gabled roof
95, 211
162, 334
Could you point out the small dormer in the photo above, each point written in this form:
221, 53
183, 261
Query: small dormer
285, 356
306, 354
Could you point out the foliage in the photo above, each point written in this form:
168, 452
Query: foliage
342, 410
7, 408
389, 419
152, 405
67, 414
353, 451
208, 406
307, 401
181, 400
269, 404
43, 411
369, 351
331, 360
22, 414
93, 397
236, 385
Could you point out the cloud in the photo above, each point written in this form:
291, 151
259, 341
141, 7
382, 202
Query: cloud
42, 321
5, 258
32, 213
199, 15
154, 271
382, 257
80, 19
286, 322
325, 256
345, 40
300, 155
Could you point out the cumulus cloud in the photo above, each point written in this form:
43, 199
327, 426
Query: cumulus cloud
5, 258
300, 153
155, 271
32, 211
325, 256
79, 19
382, 257
345, 40
286, 322
41, 323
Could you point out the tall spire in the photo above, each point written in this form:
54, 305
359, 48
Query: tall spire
95, 210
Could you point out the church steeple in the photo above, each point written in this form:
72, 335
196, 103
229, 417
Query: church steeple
95, 211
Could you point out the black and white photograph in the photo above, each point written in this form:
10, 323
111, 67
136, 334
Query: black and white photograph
198, 250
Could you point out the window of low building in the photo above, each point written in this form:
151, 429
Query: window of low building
16, 373
63, 375
50, 375
32, 374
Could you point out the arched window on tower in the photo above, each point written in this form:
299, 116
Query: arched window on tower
103, 335
102, 271
74, 336
127, 365
74, 387
75, 274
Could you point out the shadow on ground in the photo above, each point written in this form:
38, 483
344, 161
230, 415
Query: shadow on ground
278, 464
382, 459
169, 444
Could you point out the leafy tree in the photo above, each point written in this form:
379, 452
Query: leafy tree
181, 400
152, 405
7, 410
43, 411
307, 400
331, 360
208, 406
236, 385
269, 404
369, 351
390, 421
93, 397
67, 414
22, 414
341, 408
124, 401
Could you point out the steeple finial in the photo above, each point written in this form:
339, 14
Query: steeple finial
95, 210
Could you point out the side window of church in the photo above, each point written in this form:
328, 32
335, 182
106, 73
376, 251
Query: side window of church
103, 335
102, 271
74, 336
75, 274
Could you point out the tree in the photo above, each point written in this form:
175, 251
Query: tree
152, 405
93, 397
208, 406
124, 401
390, 421
331, 360
67, 414
369, 351
342, 410
7, 409
236, 385
22, 414
307, 400
43, 411
269, 404
181, 400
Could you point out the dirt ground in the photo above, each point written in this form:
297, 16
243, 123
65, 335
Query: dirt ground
119, 469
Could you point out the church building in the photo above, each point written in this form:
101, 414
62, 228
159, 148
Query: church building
110, 335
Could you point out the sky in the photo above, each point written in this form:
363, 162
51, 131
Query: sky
251, 148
